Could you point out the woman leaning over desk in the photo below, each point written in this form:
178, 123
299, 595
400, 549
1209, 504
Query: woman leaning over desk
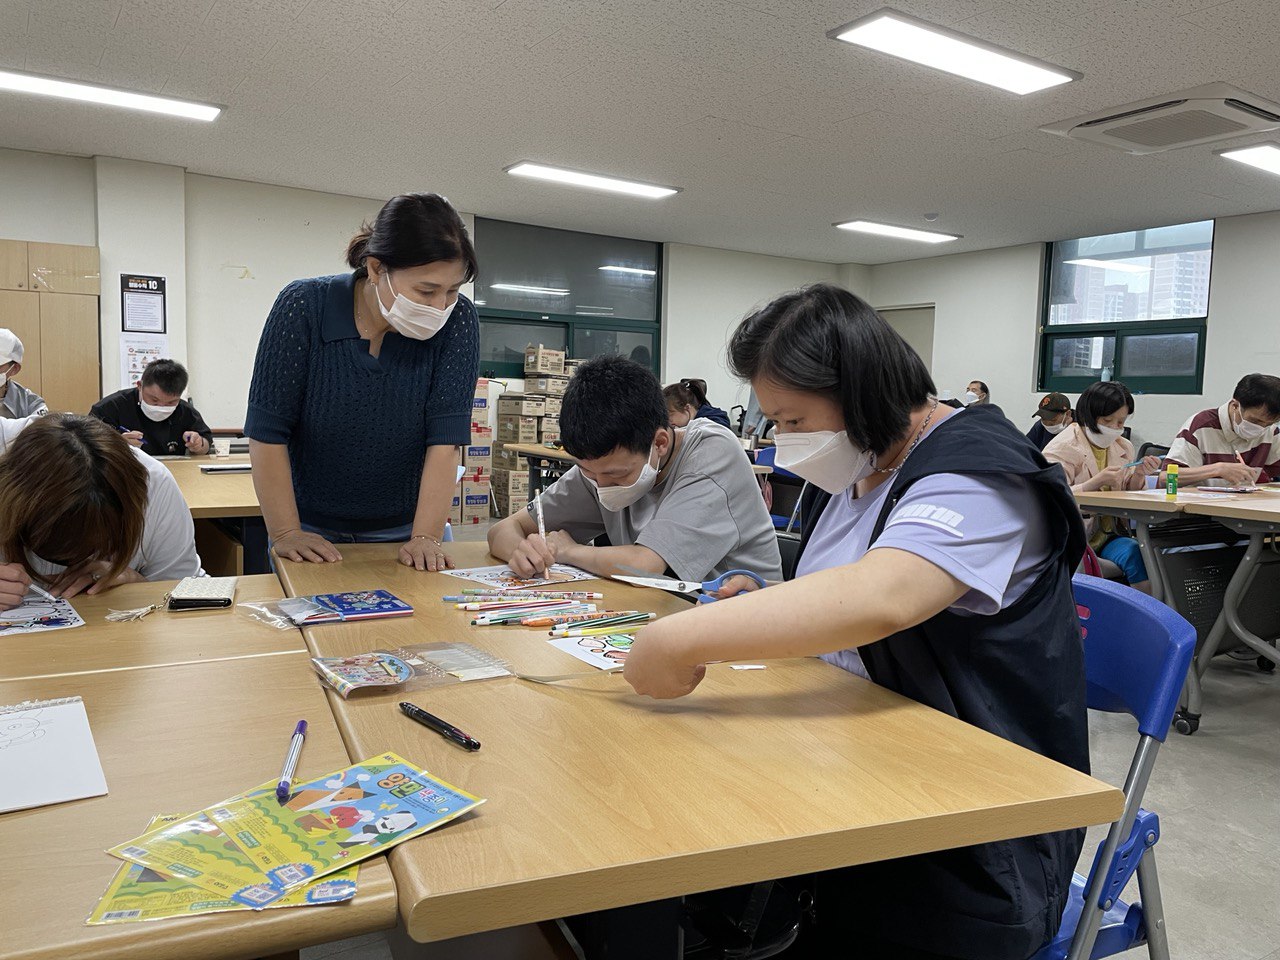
938, 562
362, 388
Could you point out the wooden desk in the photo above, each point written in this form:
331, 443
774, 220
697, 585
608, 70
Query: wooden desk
211, 495
171, 739
160, 639
599, 798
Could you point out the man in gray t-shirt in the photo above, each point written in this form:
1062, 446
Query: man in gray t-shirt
668, 499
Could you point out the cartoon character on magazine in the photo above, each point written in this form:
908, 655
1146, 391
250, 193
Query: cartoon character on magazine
335, 792
345, 817
382, 830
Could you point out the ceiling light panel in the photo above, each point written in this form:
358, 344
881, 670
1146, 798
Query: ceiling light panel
919, 41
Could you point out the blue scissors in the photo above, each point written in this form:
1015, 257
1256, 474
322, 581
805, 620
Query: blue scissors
707, 587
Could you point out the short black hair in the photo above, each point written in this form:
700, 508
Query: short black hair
167, 376
611, 402
825, 340
1259, 390
1102, 399
986, 391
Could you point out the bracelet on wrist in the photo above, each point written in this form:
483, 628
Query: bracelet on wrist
426, 536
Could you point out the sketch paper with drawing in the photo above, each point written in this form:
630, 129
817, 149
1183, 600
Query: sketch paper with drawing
47, 755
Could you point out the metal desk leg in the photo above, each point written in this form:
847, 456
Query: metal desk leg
535, 477
1152, 558
1188, 714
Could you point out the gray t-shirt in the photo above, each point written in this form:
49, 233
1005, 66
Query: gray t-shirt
19, 403
706, 517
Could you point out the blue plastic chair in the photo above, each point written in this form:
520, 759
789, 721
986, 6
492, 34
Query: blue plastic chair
765, 457
1137, 652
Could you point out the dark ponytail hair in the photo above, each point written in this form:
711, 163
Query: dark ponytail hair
686, 393
410, 230
824, 340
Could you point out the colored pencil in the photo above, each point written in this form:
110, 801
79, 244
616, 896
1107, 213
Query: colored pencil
604, 623
602, 632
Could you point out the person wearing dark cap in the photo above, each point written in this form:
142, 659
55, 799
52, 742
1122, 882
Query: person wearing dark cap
1052, 417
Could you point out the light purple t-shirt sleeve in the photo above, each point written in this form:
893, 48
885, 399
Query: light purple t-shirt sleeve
988, 532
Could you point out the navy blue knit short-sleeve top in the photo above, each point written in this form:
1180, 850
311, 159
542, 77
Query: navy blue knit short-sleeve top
358, 426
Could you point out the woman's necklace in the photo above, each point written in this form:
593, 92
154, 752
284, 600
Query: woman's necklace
914, 443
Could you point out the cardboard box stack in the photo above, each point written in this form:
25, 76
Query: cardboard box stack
473, 498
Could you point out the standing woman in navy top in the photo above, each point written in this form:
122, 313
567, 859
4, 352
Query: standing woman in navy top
362, 388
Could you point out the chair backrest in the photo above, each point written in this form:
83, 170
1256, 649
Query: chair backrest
1136, 653
1153, 449
767, 457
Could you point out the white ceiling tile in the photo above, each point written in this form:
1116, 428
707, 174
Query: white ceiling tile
773, 130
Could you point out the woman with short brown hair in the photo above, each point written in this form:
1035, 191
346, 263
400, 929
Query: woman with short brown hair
80, 508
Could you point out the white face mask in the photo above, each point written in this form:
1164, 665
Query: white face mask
970, 397
614, 499
1056, 428
1248, 430
411, 319
825, 458
156, 413
1103, 437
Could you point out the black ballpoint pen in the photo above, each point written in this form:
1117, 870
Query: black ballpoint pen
446, 730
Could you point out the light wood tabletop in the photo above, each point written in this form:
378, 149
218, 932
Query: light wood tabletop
212, 495
553, 453
1260, 507
159, 639
171, 740
1130, 499
599, 798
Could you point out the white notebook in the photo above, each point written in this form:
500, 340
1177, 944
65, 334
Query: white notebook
47, 755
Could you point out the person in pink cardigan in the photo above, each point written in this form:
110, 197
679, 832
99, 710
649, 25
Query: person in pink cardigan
1095, 456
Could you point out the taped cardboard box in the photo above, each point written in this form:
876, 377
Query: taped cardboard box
517, 430
541, 360
547, 386
521, 405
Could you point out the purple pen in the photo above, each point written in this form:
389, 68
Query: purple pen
285, 786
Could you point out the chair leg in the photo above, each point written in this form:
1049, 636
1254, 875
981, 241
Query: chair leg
1152, 906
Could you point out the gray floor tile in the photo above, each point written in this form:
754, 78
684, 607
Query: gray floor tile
1218, 797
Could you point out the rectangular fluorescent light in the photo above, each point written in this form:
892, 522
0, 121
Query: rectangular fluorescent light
1110, 265
521, 288
919, 41
91, 93
1264, 156
592, 181
614, 268
901, 233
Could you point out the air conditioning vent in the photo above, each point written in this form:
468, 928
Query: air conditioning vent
1206, 114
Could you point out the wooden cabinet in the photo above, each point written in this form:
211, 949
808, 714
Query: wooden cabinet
13, 265
63, 268
20, 312
49, 298
69, 368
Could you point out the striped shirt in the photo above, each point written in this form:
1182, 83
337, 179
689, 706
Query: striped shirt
1208, 438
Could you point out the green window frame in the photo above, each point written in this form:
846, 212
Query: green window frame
576, 325
1124, 334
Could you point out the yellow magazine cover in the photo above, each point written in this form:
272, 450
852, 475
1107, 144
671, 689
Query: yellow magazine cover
339, 819
137, 893
194, 849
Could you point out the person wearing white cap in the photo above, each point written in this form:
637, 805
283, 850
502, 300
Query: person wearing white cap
16, 401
